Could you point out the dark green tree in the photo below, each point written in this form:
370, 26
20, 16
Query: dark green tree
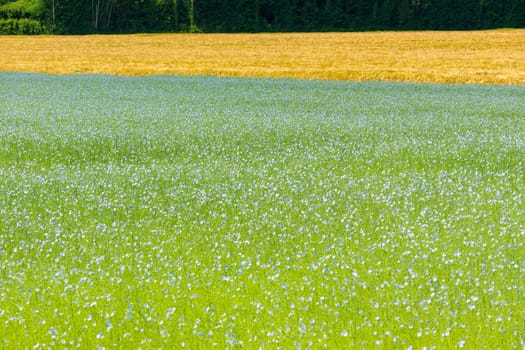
126, 16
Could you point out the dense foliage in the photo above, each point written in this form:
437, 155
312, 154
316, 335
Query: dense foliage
90, 16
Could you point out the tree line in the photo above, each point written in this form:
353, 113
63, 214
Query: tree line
131, 16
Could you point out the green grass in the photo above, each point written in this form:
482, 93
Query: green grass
179, 212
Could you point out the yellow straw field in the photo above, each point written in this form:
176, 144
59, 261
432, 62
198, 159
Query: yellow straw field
487, 57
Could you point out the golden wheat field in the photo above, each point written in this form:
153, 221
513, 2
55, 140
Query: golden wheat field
491, 57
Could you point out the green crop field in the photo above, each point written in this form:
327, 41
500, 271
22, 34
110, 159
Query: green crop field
170, 212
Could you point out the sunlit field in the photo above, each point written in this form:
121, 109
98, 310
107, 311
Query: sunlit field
487, 57
170, 212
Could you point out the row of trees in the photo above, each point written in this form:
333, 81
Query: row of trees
124, 16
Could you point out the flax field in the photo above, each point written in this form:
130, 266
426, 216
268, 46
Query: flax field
207, 212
